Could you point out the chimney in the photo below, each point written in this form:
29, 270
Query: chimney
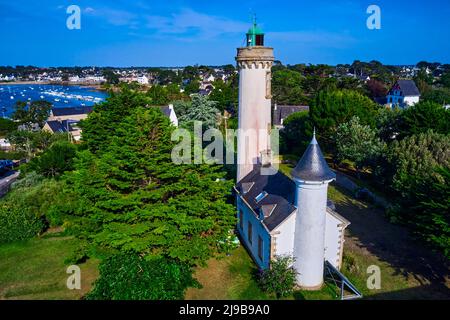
266, 158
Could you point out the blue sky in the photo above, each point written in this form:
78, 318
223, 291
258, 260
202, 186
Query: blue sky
182, 32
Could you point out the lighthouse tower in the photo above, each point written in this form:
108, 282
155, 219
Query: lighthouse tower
311, 176
254, 63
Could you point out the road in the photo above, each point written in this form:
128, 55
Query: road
6, 180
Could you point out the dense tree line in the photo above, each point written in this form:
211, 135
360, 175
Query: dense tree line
403, 153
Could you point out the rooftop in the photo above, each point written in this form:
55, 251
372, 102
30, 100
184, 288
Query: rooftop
312, 166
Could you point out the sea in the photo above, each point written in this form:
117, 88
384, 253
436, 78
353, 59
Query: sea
58, 95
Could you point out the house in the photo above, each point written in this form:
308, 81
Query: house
281, 112
278, 215
64, 126
364, 78
5, 145
143, 80
69, 113
169, 111
404, 93
65, 120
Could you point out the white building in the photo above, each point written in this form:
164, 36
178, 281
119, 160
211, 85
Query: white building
169, 112
278, 215
404, 93
142, 80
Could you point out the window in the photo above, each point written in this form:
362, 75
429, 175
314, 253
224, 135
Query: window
260, 196
241, 220
268, 85
259, 39
260, 248
250, 232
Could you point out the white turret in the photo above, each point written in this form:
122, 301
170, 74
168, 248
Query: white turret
312, 176
254, 63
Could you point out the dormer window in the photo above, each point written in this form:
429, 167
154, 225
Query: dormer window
246, 186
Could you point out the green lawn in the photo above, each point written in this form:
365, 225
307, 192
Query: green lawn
35, 269
230, 277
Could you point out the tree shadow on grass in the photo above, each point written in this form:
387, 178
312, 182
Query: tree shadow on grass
394, 244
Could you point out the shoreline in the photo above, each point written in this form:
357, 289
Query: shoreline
59, 83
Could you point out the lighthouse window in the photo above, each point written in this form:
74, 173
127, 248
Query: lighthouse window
268, 85
250, 233
259, 40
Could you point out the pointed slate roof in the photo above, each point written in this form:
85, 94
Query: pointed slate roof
312, 166
407, 87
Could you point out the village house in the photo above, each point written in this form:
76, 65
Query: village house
65, 120
404, 93
281, 112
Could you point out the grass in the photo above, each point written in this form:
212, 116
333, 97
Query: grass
228, 278
35, 269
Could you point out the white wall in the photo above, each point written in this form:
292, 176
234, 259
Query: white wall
173, 116
254, 114
258, 230
410, 101
333, 233
283, 236
309, 245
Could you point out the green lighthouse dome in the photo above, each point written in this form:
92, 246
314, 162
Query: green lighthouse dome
255, 36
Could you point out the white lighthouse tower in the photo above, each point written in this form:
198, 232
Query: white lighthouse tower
311, 176
254, 64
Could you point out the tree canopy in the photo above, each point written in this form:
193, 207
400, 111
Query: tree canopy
132, 198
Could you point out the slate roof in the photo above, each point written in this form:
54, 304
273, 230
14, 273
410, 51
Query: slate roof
61, 126
70, 111
283, 111
280, 192
277, 191
56, 126
407, 87
312, 166
165, 110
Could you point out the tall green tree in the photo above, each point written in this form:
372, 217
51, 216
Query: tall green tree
296, 133
110, 76
158, 95
433, 211
132, 197
201, 109
414, 159
103, 122
35, 112
358, 143
287, 87
192, 87
424, 116
7, 126
225, 94
330, 108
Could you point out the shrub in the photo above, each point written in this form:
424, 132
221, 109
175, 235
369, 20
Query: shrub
57, 159
132, 277
280, 279
17, 223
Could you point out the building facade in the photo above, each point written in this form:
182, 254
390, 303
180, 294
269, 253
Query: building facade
404, 93
278, 215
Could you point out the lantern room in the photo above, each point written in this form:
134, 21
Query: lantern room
255, 36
